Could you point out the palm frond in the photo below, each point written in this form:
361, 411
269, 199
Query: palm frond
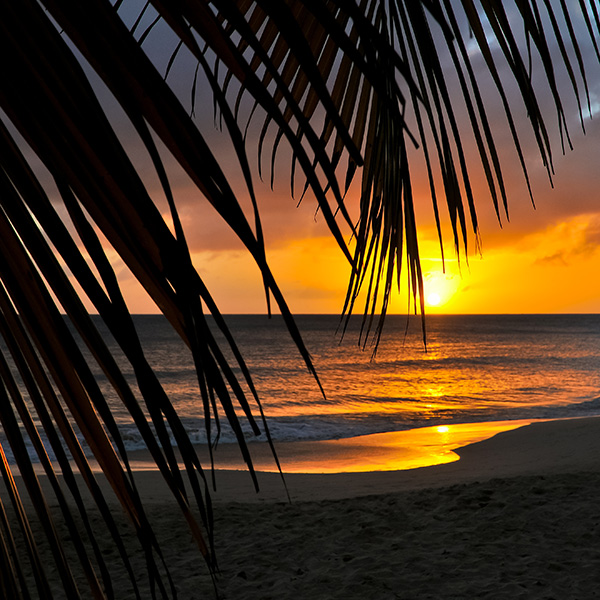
354, 88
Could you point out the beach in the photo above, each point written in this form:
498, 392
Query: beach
516, 517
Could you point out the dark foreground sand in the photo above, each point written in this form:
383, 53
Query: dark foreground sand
517, 517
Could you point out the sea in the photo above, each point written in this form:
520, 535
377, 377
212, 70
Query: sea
472, 368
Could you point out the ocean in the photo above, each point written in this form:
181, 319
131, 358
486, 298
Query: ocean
475, 368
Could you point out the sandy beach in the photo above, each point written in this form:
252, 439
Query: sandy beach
516, 517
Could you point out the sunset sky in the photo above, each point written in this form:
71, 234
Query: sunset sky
545, 260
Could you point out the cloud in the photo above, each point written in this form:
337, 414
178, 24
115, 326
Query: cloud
573, 240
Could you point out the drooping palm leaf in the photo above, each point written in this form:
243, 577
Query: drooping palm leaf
366, 81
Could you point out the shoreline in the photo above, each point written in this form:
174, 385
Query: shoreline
388, 451
539, 448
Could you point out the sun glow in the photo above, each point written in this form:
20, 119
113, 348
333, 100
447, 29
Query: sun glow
439, 288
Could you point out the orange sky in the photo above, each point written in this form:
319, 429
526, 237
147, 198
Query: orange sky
544, 260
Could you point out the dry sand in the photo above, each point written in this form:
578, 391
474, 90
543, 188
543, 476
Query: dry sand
518, 516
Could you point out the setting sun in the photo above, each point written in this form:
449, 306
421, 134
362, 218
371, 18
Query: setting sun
433, 299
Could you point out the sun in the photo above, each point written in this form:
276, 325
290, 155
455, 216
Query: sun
434, 299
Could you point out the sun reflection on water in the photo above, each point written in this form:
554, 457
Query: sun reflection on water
394, 451
412, 449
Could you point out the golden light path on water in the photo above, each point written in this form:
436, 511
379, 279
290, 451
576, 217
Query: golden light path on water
402, 392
